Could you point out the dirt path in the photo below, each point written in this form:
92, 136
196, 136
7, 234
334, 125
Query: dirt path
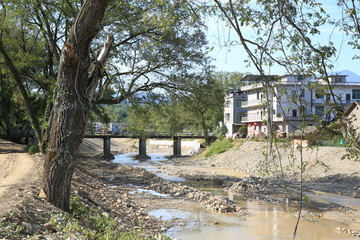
15, 168
19, 175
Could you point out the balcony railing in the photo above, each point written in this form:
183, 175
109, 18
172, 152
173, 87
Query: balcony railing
254, 102
327, 101
252, 118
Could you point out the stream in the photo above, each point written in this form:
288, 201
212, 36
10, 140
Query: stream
266, 220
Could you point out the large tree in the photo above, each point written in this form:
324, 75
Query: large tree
155, 42
76, 83
50, 48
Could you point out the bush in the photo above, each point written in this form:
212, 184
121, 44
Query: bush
243, 131
32, 148
328, 135
219, 146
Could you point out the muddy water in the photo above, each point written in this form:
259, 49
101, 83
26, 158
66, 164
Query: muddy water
345, 201
156, 159
266, 221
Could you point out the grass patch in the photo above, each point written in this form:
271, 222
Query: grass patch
219, 146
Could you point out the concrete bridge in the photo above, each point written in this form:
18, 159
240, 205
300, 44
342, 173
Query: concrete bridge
29, 134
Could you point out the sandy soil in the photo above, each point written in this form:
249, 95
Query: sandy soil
18, 174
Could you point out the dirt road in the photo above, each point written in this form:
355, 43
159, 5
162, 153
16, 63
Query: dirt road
18, 174
15, 168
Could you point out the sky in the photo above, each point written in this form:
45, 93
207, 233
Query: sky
231, 59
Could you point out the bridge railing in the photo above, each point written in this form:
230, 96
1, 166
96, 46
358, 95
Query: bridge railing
145, 134
31, 133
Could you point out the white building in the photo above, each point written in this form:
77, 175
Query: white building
234, 111
289, 101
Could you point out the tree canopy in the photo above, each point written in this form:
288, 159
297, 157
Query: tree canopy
157, 46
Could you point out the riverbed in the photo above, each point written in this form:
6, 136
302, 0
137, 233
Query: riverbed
264, 221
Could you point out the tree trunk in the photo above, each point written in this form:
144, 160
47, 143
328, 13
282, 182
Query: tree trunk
16, 76
75, 87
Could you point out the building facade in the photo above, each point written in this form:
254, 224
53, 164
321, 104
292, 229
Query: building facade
234, 111
290, 101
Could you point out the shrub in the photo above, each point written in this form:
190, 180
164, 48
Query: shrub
32, 148
243, 131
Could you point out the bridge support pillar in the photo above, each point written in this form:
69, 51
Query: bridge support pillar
107, 151
177, 147
142, 150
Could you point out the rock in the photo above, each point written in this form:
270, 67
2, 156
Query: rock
49, 226
60, 220
42, 194
28, 227
37, 237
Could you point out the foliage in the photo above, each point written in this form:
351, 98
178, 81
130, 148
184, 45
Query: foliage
243, 131
12, 113
217, 147
229, 80
329, 135
32, 148
158, 44
198, 110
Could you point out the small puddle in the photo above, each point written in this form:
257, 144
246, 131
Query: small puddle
266, 221
152, 192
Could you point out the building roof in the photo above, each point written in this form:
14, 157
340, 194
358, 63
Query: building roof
351, 108
251, 79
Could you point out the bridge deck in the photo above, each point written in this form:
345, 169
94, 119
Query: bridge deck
30, 133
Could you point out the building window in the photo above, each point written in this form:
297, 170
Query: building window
300, 77
227, 116
356, 94
298, 92
238, 103
319, 95
302, 92
294, 112
239, 116
339, 79
319, 111
228, 103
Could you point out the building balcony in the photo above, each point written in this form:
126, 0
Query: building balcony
319, 100
323, 101
253, 103
252, 118
293, 118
